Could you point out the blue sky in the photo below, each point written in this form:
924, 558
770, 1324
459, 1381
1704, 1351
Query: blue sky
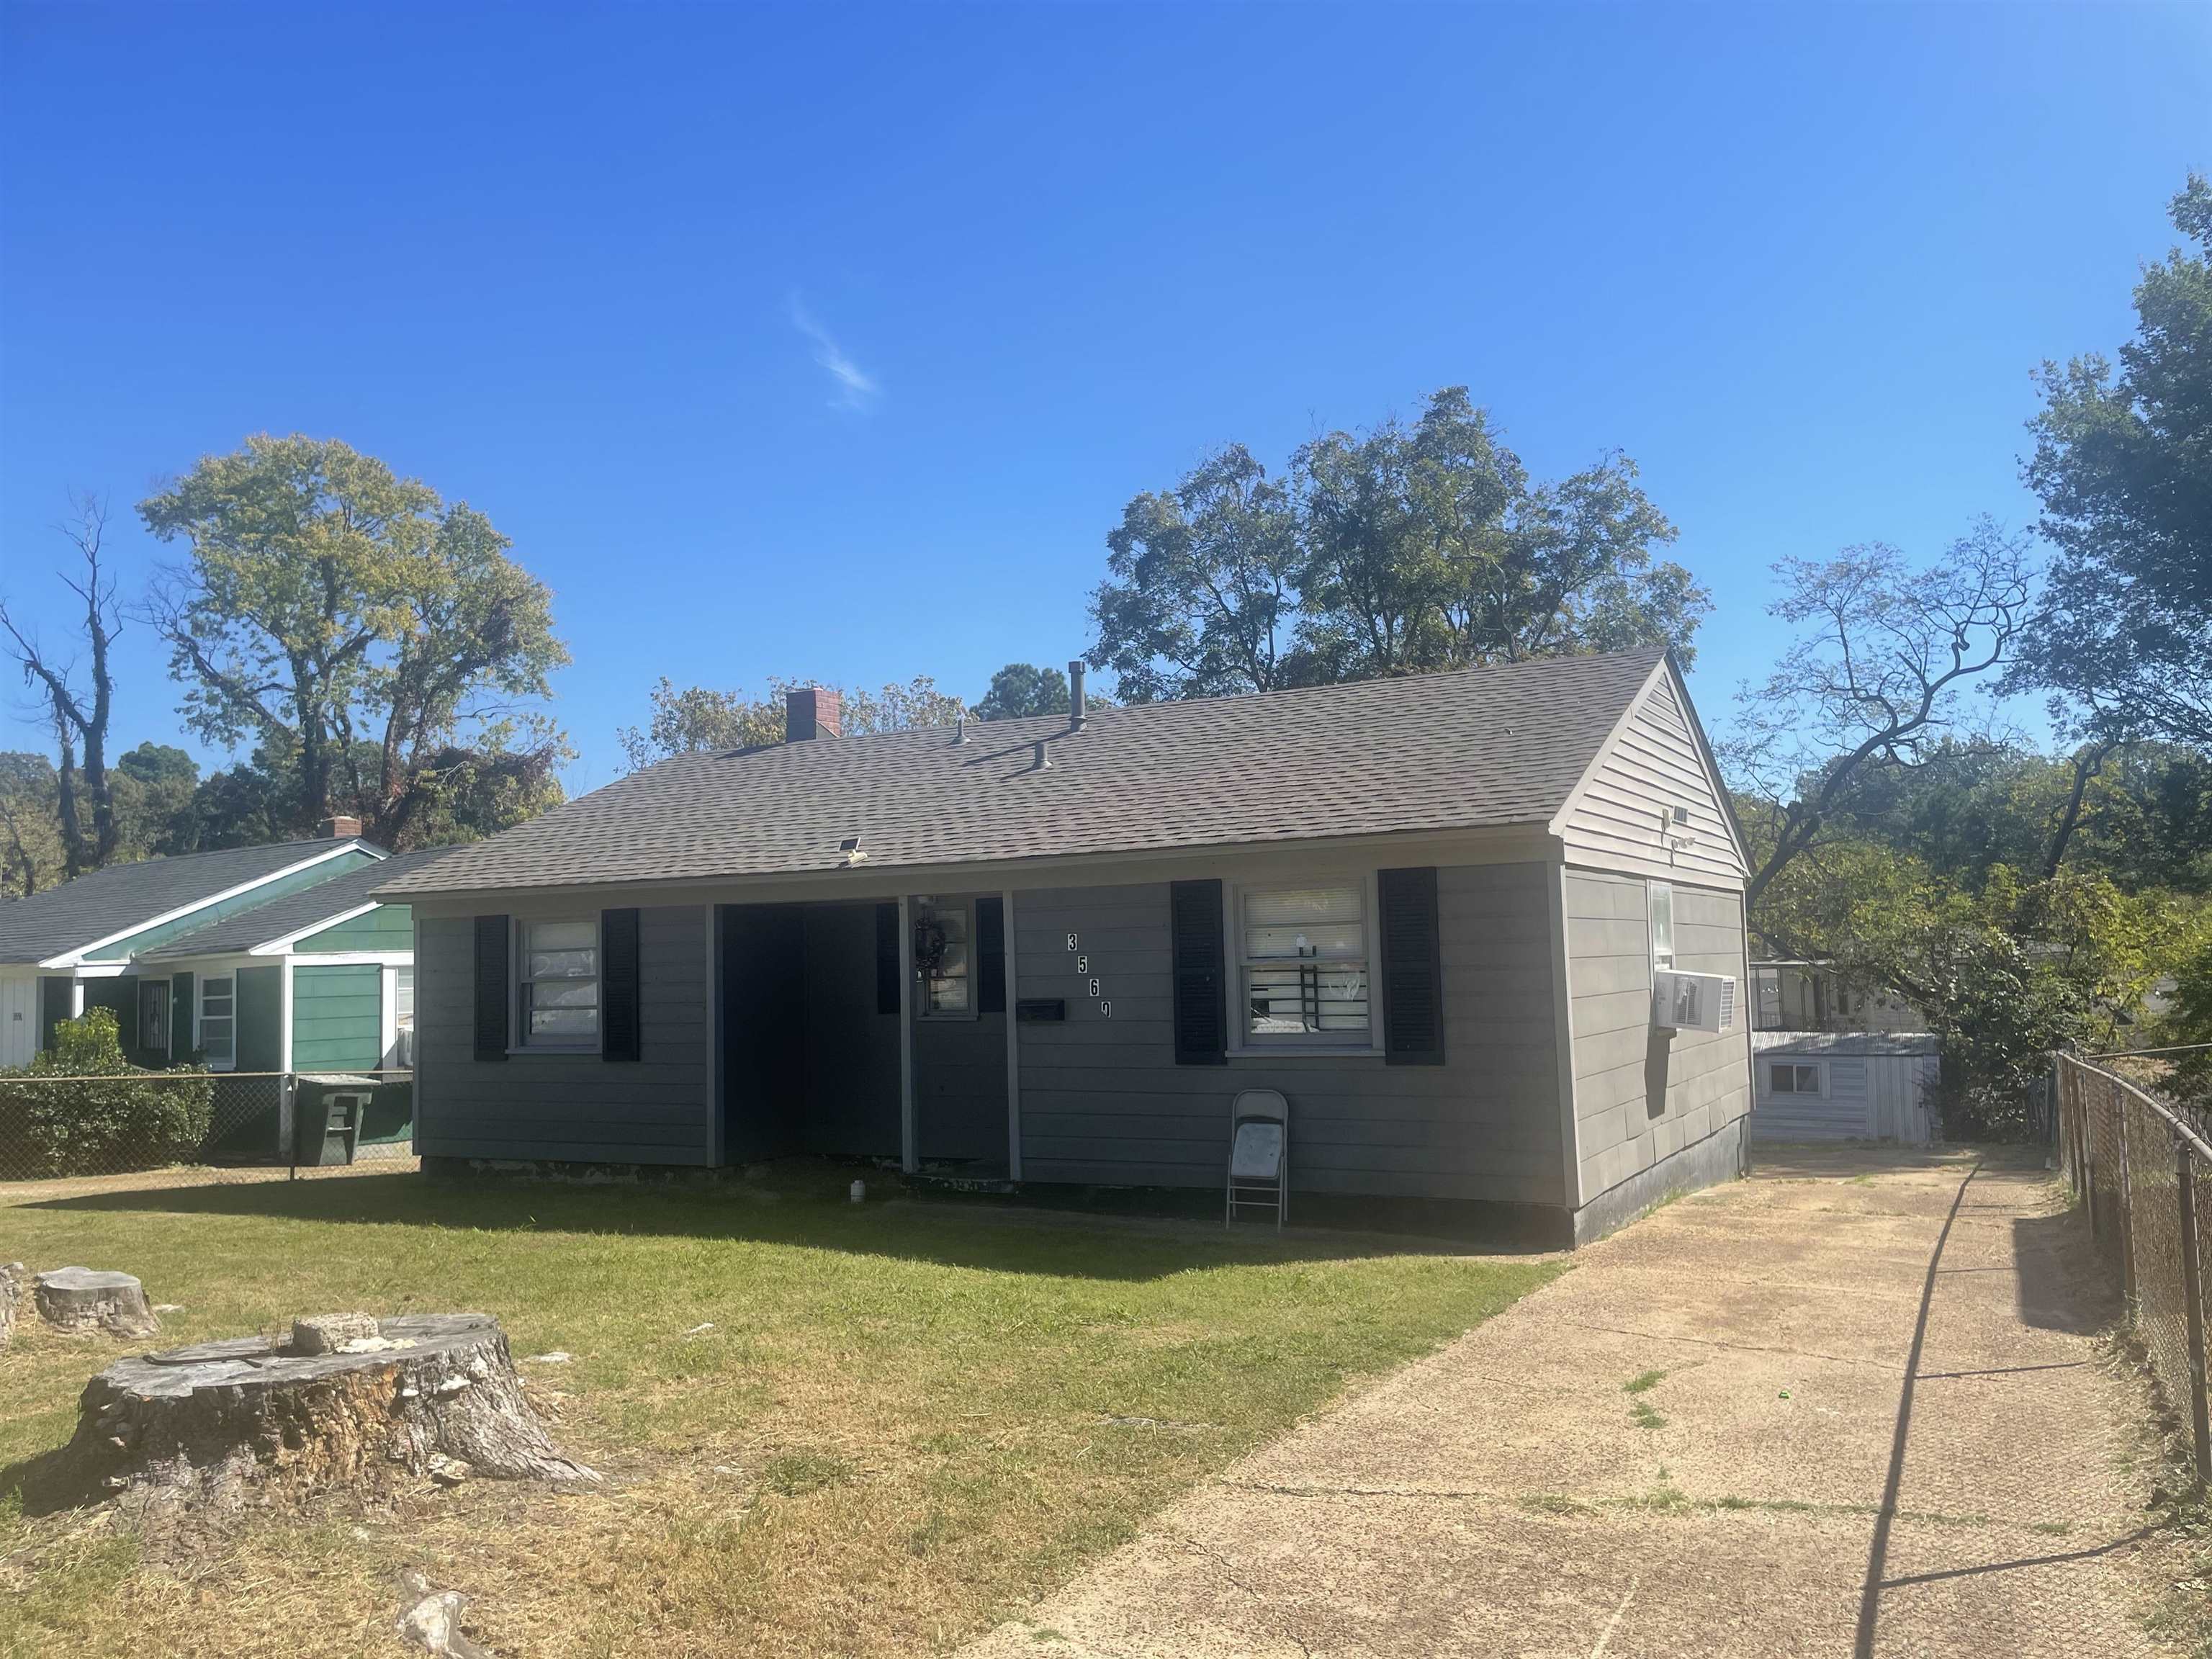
830, 342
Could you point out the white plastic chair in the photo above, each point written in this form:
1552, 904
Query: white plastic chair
1259, 1153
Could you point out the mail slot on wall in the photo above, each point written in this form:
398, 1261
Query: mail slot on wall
1040, 1008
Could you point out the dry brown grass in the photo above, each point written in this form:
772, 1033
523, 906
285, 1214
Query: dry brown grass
899, 1431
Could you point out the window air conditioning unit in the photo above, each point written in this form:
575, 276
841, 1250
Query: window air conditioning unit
1692, 1002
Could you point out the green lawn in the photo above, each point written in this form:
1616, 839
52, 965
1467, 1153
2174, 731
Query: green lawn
906, 1419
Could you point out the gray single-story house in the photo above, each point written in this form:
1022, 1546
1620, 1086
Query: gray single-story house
1428, 910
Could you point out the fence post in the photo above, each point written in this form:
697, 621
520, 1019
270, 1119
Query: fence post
2089, 1160
2127, 1207
287, 1115
2192, 1289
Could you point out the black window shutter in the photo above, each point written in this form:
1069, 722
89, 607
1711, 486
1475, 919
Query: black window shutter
1202, 1014
991, 956
887, 959
618, 1012
491, 988
1412, 968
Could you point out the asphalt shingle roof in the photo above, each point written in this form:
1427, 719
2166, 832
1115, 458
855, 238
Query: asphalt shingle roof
288, 914
122, 895
1502, 744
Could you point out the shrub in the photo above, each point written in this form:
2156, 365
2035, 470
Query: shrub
101, 1115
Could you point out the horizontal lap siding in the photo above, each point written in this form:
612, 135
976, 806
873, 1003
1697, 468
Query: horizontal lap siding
1700, 1079
1869, 1096
580, 1108
389, 927
337, 1019
1623, 818
1103, 1100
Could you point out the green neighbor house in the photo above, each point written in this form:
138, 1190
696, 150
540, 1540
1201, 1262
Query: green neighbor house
251, 960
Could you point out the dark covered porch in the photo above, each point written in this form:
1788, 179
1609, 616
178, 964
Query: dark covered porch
869, 1029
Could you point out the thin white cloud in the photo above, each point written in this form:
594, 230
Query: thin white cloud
856, 387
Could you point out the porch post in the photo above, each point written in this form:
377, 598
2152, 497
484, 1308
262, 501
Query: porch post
288, 1104
1013, 1044
908, 1159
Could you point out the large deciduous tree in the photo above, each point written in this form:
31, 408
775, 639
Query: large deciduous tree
2123, 462
1199, 594
79, 712
376, 637
1884, 654
1398, 549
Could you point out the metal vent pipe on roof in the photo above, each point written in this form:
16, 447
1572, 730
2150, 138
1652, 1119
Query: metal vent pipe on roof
1075, 709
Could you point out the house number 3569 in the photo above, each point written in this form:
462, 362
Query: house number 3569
1083, 968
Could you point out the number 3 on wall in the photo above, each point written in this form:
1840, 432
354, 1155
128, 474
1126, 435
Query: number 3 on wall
1071, 941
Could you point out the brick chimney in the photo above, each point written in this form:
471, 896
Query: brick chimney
811, 712
340, 828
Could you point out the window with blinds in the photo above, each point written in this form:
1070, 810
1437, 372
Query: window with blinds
557, 998
1303, 963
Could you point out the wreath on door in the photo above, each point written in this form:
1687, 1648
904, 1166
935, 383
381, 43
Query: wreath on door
929, 945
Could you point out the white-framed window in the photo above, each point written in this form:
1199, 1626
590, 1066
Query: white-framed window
944, 962
556, 997
219, 1021
153, 1015
1661, 898
399, 1050
1302, 953
1794, 1077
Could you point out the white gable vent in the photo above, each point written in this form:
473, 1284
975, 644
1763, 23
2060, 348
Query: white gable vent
1692, 1002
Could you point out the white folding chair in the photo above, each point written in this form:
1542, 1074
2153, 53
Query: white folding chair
1259, 1153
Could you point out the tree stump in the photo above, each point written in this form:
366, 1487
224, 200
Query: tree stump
86, 1299
13, 1276
219, 1425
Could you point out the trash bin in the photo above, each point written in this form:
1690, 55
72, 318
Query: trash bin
327, 1114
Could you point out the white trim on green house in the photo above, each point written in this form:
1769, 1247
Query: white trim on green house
73, 958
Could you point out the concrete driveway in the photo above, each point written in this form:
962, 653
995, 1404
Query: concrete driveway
1868, 1416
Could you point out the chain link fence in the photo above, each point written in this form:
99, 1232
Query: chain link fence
2143, 1172
145, 1129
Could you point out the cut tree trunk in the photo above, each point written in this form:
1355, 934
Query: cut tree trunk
86, 1299
219, 1425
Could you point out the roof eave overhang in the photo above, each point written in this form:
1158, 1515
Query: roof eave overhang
1486, 844
74, 956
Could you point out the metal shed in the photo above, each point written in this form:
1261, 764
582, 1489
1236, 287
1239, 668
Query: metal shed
1851, 1086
